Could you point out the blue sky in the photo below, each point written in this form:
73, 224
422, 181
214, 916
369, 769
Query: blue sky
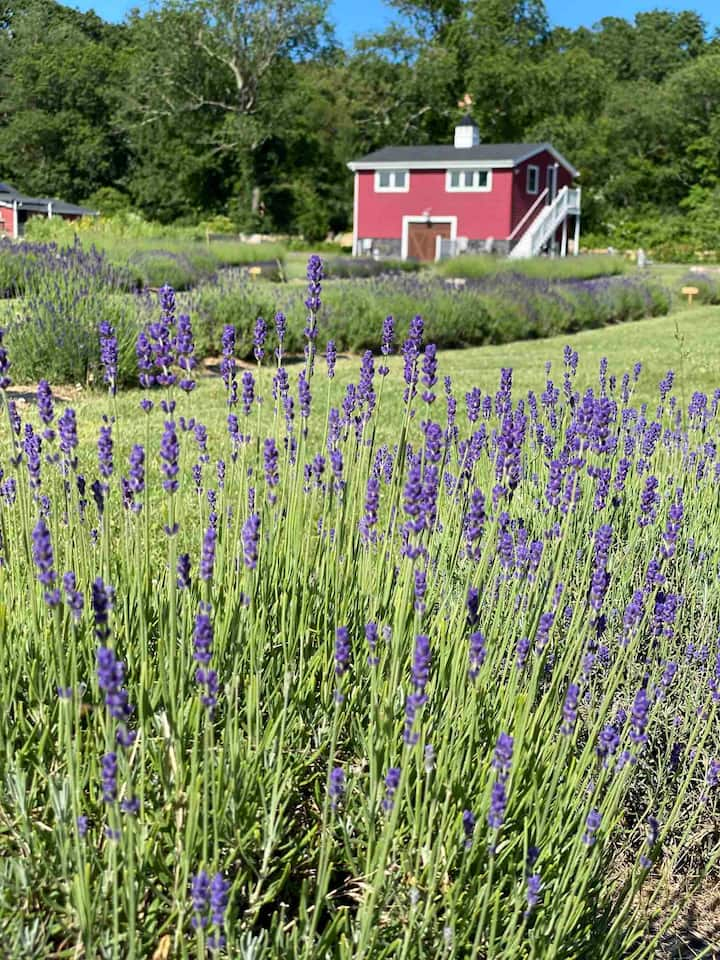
358, 16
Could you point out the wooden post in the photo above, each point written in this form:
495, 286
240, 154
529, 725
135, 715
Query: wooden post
563, 244
690, 292
576, 240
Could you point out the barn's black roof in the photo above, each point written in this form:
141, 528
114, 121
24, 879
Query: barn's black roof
503, 153
9, 194
511, 152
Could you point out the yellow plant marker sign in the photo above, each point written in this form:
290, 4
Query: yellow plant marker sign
255, 272
690, 292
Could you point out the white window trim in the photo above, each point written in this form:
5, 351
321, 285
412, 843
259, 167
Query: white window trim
407, 220
485, 189
536, 191
393, 189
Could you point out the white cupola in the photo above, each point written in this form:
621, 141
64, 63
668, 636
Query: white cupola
467, 133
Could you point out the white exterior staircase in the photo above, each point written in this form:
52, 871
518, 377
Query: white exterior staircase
546, 222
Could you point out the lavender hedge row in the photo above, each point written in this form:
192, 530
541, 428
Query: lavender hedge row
497, 309
283, 691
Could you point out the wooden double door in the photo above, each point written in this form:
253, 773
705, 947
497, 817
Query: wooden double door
422, 239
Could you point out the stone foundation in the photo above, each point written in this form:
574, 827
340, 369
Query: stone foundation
382, 249
389, 249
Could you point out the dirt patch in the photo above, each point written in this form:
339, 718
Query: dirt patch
27, 393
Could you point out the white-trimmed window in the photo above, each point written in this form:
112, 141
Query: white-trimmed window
392, 181
458, 181
533, 179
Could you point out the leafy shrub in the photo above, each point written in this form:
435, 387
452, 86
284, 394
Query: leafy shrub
53, 330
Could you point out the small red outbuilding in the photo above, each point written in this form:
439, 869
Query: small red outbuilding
16, 209
427, 202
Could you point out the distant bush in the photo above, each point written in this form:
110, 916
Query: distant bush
707, 284
232, 299
585, 267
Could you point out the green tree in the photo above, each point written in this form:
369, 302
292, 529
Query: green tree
58, 89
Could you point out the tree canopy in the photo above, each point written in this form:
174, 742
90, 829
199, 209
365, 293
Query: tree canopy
251, 108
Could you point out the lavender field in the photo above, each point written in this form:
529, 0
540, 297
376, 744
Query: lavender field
422, 672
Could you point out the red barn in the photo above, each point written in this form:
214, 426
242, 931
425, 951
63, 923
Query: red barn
427, 202
16, 209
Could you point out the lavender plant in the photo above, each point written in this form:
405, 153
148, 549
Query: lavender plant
350, 698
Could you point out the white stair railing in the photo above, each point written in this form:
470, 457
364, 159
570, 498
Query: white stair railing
546, 223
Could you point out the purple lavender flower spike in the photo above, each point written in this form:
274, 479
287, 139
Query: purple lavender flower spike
248, 391
313, 304
473, 605
429, 372
102, 597
672, 530
649, 502
592, 825
477, 654
468, 822
109, 354
608, 742
336, 786
639, 717
205, 678
386, 346
372, 500
44, 561
183, 571
184, 347
200, 895
46, 410
5, 380
67, 432
74, 597
304, 396
392, 782
371, 635
219, 892
259, 339
330, 358
474, 524
109, 768
342, 656
498, 805
272, 477
207, 559
32, 446
280, 329
250, 537
105, 452
502, 755
144, 354
570, 710
418, 698
111, 679
169, 454
534, 886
